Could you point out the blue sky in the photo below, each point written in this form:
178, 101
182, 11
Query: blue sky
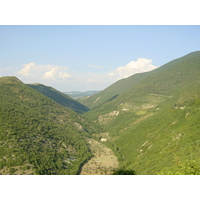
90, 57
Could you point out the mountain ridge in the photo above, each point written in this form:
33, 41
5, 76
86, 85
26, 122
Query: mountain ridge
123, 84
60, 97
38, 135
152, 124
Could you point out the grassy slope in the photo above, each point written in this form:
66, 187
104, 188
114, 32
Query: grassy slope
60, 98
157, 126
38, 135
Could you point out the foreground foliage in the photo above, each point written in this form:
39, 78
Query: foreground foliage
186, 168
124, 172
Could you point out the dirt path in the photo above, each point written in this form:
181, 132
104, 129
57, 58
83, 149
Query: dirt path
103, 162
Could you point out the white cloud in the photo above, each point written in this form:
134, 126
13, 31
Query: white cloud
133, 67
25, 71
102, 80
49, 72
56, 74
64, 80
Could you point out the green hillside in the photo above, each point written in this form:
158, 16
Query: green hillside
154, 125
60, 98
122, 85
38, 135
112, 91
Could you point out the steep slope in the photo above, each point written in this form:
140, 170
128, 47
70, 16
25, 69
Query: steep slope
38, 135
122, 85
60, 98
112, 91
154, 125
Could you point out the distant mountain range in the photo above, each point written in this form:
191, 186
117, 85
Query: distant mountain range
78, 94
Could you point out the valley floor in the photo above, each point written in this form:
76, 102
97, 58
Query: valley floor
104, 161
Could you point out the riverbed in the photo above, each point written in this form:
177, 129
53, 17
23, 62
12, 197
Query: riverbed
104, 161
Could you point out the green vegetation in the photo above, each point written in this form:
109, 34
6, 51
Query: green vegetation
155, 123
103, 161
150, 121
60, 98
186, 168
112, 91
38, 135
123, 85
124, 172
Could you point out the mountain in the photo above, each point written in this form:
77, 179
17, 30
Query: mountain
122, 85
154, 124
112, 91
38, 135
60, 97
78, 94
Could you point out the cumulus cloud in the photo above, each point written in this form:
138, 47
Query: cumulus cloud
49, 72
98, 81
133, 67
56, 74
61, 78
25, 71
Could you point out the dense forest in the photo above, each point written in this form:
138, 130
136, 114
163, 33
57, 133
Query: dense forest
38, 135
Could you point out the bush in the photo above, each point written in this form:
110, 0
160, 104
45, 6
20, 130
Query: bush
124, 172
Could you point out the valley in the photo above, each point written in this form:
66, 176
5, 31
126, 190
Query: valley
103, 162
154, 124
147, 123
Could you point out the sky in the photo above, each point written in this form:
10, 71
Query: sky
90, 57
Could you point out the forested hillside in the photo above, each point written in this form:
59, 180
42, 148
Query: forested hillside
60, 98
154, 125
122, 85
112, 91
38, 135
